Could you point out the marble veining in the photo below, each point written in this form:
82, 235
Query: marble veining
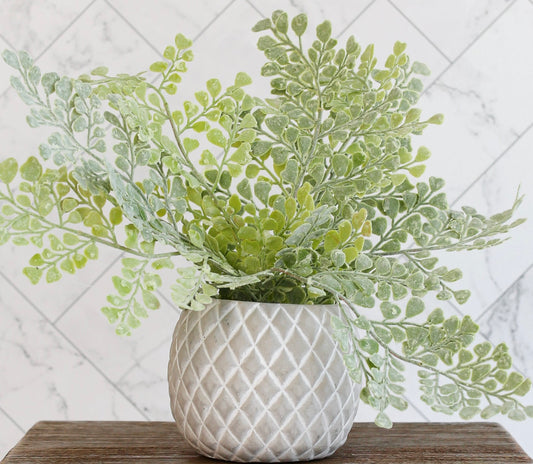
489, 272
478, 96
59, 357
466, 18
32, 26
146, 382
99, 37
383, 25
44, 375
511, 318
160, 24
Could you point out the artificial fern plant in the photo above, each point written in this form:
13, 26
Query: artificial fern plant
309, 196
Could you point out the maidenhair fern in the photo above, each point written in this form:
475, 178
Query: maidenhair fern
309, 196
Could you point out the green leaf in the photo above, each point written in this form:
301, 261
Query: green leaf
262, 25
469, 412
323, 31
523, 389
8, 170
53, 275
243, 187
182, 42
420, 68
417, 170
383, 421
461, 296
277, 124
190, 144
91, 251
368, 345
399, 47
216, 137
63, 88
517, 415
331, 241
262, 191
11, 58
436, 119
122, 286
281, 21
214, 87
414, 307
389, 310
415, 280
513, 381
48, 81
383, 266
33, 273
490, 411
241, 155
150, 300
31, 170
422, 154
290, 173
159, 66
299, 24
197, 236
242, 79
340, 164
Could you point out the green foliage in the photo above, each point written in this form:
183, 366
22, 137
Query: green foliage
314, 197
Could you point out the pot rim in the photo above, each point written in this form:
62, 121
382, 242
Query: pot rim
285, 305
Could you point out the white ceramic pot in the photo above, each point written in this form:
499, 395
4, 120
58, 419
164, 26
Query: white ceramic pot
260, 382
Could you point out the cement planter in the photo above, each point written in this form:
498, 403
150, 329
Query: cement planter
260, 382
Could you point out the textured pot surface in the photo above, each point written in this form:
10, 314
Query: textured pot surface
260, 382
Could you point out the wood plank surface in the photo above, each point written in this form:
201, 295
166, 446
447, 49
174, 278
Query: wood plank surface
159, 442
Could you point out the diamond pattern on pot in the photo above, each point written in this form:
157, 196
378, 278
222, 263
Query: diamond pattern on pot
260, 382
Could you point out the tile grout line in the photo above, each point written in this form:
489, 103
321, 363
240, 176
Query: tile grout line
419, 31
489, 306
78, 16
349, 25
137, 363
255, 8
117, 12
145, 39
460, 55
502, 293
13, 421
352, 22
210, 23
89, 287
415, 407
76, 348
469, 46
493, 163
9, 44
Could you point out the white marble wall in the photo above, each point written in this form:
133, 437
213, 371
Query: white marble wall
59, 359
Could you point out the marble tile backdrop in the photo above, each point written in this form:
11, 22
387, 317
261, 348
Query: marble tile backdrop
59, 359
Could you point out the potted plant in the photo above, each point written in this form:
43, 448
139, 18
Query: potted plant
309, 239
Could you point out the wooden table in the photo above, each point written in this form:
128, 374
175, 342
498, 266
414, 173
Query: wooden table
159, 442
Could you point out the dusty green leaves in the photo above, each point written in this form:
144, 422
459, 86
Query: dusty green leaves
312, 195
135, 291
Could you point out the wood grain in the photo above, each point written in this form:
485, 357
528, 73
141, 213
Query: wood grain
159, 442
